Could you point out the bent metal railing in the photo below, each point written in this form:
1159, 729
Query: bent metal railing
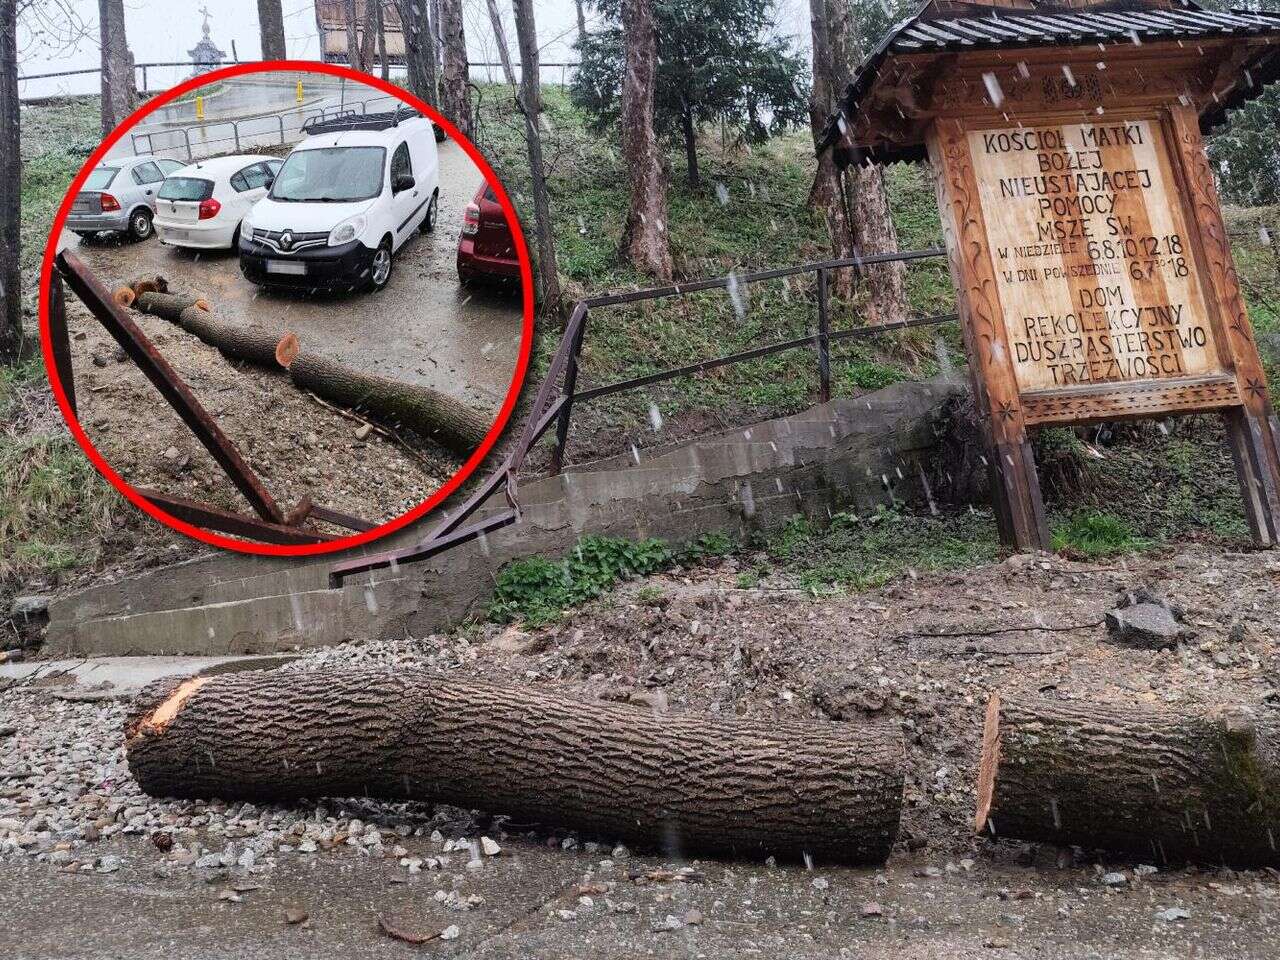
559, 391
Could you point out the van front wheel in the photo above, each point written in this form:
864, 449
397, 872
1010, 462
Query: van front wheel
380, 267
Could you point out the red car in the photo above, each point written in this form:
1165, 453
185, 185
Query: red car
485, 249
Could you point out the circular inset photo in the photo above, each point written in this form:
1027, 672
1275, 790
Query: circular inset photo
287, 308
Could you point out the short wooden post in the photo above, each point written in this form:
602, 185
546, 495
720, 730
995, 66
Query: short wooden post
1015, 484
824, 339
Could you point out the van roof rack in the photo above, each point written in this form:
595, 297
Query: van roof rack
350, 120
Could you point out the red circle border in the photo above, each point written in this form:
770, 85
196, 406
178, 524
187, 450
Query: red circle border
472, 462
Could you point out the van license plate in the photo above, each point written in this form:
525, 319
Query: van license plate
287, 266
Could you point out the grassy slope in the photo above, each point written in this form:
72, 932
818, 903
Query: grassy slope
56, 512
749, 214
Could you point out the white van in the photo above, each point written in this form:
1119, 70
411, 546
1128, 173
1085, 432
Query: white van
344, 202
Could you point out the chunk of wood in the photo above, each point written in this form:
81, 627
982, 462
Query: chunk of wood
680, 782
1161, 784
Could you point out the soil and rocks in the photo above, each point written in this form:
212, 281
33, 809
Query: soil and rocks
296, 443
352, 877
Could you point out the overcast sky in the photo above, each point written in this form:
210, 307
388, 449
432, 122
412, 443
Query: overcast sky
164, 30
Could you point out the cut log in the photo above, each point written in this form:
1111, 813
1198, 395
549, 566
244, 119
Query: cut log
427, 412
1167, 785
696, 783
168, 306
192, 313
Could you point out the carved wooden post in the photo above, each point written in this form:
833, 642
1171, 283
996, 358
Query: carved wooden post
1015, 485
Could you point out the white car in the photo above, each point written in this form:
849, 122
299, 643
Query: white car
201, 205
346, 199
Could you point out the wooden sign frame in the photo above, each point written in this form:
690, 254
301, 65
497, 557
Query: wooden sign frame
1150, 85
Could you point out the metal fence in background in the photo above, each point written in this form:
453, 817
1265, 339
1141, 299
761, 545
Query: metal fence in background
168, 73
554, 403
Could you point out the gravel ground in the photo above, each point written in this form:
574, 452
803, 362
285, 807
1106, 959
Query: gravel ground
72, 819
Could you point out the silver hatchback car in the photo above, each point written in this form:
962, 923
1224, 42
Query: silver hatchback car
120, 195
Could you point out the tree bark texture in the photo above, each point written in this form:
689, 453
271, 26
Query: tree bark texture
500, 38
367, 36
582, 20
271, 28
1162, 785
380, 26
690, 145
868, 228
644, 234
530, 101
427, 412
455, 81
119, 95
10, 187
419, 49
706, 784
353, 39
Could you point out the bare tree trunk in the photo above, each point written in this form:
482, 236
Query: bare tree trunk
353, 40
381, 27
419, 48
271, 27
690, 144
644, 235
582, 21
500, 37
1156, 783
10, 187
367, 36
872, 229
119, 95
455, 82
530, 101
713, 783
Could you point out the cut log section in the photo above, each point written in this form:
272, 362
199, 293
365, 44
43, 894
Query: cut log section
678, 782
427, 412
1162, 785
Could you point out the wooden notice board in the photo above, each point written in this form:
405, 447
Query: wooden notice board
1093, 272
1095, 282
1097, 268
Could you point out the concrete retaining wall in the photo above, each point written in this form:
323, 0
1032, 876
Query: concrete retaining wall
847, 454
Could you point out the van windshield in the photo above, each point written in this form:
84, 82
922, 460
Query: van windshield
330, 175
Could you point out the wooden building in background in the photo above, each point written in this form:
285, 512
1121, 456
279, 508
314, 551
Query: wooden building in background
331, 24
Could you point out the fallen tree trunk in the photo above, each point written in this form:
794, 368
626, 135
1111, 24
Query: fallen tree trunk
706, 783
1171, 786
427, 412
192, 313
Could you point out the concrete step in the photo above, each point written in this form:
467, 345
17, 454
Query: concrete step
108, 678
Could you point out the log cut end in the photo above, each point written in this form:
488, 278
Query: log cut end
988, 764
124, 296
287, 350
155, 721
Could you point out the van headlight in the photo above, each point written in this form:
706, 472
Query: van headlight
346, 231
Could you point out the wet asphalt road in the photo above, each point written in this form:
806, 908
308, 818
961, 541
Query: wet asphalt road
423, 328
